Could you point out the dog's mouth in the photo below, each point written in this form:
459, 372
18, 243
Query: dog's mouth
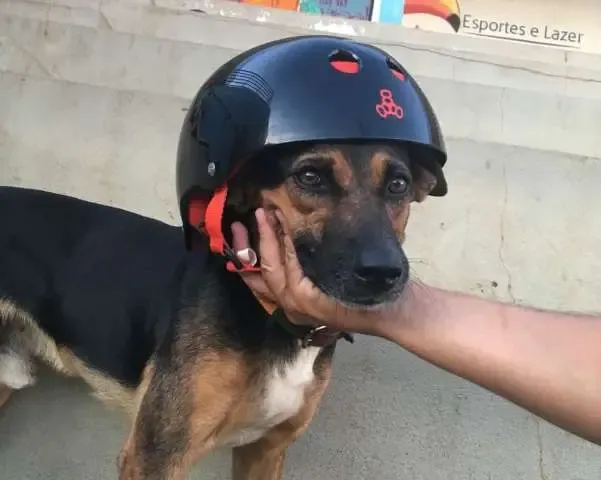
349, 296
366, 302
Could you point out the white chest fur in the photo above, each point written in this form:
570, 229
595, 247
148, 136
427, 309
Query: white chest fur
282, 396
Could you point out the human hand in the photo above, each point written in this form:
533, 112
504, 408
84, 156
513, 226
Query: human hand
282, 281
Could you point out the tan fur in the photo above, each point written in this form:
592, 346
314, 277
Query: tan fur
219, 384
343, 173
399, 216
378, 166
124, 463
307, 213
301, 214
36, 341
61, 359
423, 183
215, 381
226, 393
105, 389
264, 459
216, 416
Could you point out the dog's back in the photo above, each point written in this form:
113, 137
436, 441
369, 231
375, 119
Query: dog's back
85, 275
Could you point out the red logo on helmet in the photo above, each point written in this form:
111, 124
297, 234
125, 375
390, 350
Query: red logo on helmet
387, 107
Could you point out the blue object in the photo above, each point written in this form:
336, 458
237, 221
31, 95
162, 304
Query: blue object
391, 11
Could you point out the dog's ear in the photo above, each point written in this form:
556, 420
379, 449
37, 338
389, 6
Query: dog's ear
423, 183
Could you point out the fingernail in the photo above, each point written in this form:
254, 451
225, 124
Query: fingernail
247, 256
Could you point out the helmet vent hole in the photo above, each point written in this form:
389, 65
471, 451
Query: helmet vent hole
344, 61
396, 69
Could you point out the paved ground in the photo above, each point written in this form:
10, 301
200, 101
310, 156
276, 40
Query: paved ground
387, 416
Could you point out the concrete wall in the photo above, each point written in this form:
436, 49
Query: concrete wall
92, 95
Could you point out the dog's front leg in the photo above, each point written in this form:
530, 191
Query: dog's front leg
259, 460
5, 393
179, 415
156, 444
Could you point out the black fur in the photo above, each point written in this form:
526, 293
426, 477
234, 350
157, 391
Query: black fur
116, 287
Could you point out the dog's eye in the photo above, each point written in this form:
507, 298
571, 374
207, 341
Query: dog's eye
398, 186
309, 177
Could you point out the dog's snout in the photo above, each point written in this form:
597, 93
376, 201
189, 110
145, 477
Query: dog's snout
379, 267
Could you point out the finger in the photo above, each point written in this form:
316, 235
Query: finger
240, 240
241, 244
253, 280
269, 250
256, 283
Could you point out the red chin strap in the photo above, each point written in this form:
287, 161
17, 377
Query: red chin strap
206, 215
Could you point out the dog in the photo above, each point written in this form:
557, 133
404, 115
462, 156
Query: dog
173, 338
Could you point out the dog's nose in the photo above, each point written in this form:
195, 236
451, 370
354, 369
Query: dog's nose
379, 268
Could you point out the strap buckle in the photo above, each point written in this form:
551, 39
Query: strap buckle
309, 337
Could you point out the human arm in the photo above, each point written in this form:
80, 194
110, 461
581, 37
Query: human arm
548, 363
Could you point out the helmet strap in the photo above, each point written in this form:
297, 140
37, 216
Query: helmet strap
206, 216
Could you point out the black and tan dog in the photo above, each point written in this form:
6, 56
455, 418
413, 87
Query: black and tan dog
174, 338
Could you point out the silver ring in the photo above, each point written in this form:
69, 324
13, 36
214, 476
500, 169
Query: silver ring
247, 256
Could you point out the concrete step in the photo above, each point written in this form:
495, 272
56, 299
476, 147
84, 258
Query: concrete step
177, 19
91, 141
475, 98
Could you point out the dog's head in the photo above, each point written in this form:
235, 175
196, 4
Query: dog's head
347, 207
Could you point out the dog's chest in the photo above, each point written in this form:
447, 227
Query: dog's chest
282, 394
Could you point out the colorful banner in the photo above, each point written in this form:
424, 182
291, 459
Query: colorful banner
360, 9
383, 11
541, 22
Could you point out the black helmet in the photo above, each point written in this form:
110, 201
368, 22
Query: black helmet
298, 89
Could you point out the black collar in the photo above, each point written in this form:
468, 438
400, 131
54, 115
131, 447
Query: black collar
310, 336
